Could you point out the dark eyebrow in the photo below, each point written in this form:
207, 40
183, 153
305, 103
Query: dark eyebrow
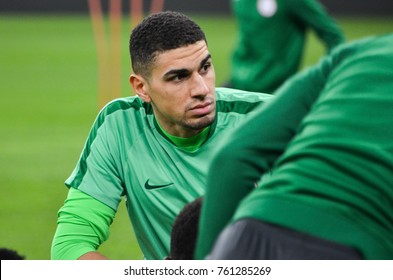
203, 62
176, 72
183, 71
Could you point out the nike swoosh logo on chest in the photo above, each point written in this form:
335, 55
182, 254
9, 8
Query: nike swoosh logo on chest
158, 186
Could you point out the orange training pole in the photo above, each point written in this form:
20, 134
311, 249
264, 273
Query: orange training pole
136, 12
156, 6
115, 18
102, 50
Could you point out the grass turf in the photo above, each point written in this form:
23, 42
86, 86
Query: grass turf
48, 85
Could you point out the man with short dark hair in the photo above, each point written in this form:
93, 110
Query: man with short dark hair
153, 148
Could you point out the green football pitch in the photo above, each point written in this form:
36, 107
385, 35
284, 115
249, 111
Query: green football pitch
48, 93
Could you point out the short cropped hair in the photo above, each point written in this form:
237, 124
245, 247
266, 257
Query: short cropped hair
158, 33
9, 254
185, 230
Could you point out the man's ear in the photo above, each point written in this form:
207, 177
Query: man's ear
139, 85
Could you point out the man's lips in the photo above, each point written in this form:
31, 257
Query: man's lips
202, 109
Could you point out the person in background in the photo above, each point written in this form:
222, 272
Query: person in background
271, 40
327, 137
152, 148
9, 254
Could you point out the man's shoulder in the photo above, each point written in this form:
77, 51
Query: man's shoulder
125, 103
239, 101
233, 95
126, 107
123, 110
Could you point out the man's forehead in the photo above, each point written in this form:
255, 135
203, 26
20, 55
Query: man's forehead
184, 57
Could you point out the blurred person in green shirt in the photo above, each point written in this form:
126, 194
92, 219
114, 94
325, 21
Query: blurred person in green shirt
271, 38
327, 139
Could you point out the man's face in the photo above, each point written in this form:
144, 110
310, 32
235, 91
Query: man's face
181, 89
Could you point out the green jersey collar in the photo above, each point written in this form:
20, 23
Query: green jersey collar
190, 144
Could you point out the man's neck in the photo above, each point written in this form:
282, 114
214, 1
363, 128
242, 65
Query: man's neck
190, 143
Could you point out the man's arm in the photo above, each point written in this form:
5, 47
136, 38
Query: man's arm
83, 225
312, 14
93, 256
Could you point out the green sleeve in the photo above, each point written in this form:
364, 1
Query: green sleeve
313, 15
252, 150
83, 224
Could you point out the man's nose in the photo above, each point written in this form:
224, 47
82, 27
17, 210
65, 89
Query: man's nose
199, 86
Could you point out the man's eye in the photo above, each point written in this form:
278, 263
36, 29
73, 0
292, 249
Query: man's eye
178, 77
206, 67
